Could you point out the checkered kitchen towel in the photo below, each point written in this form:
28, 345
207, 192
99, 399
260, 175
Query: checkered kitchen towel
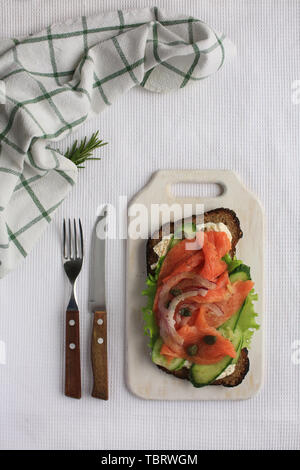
51, 82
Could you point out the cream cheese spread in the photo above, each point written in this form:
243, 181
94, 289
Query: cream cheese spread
219, 227
228, 371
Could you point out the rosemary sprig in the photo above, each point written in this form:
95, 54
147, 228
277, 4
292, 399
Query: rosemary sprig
80, 153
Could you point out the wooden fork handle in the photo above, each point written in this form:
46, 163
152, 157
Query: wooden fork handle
72, 371
99, 355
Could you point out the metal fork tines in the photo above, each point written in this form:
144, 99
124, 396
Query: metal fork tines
73, 258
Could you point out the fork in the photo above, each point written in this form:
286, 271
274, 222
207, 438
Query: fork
73, 258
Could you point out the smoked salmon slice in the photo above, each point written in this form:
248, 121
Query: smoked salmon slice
180, 253
188, 265
195, 336
220, 240
230, 306
213, 265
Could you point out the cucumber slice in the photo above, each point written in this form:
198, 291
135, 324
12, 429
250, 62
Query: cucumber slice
240, 276
232, 321
241, 273
160, 360
232, 263
187, 230
238, 351
201, 375
173, 242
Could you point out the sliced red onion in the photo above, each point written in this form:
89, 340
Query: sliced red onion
215, 309
184, 320
181, 319
197, 280
203, 292
167, 321
166, 314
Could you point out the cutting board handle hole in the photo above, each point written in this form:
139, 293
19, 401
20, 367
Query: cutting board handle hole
203, 190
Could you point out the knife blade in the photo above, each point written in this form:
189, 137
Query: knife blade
97, 306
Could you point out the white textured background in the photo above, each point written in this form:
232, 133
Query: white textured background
243, 119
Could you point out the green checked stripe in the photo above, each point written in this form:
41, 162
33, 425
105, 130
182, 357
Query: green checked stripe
146, 76
84, 30
32, 162
155, 44
35, 199
66, 177
73, 124
29, 154
24, 107
23, 104
12, 145
222, 49
98, 84
52, 104
171, 43
184, 43
53, 153
53, 37
14, 239
10, 171
4, 245
118, 74
186, 76
190, 23
37, 219
14, 236
192, 68
38, 74
177, 22
28, 181
121, 18
52, 55
85, 43
125, 61
38, 99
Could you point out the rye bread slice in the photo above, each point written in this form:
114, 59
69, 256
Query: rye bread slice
230, 219
232, 380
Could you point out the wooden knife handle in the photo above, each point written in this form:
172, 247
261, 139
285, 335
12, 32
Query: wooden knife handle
99, 355
72, 371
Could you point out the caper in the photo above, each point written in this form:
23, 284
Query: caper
167, 304
185, 312
210, 339
192, 350
175, 292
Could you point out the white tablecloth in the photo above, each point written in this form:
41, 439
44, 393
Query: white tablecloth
243, 119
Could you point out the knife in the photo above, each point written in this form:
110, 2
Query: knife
97, 306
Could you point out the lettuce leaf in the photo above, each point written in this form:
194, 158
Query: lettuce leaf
247, 320
150, 326
232, 263
246, 317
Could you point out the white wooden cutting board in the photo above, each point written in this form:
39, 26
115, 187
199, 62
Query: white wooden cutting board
144, 379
